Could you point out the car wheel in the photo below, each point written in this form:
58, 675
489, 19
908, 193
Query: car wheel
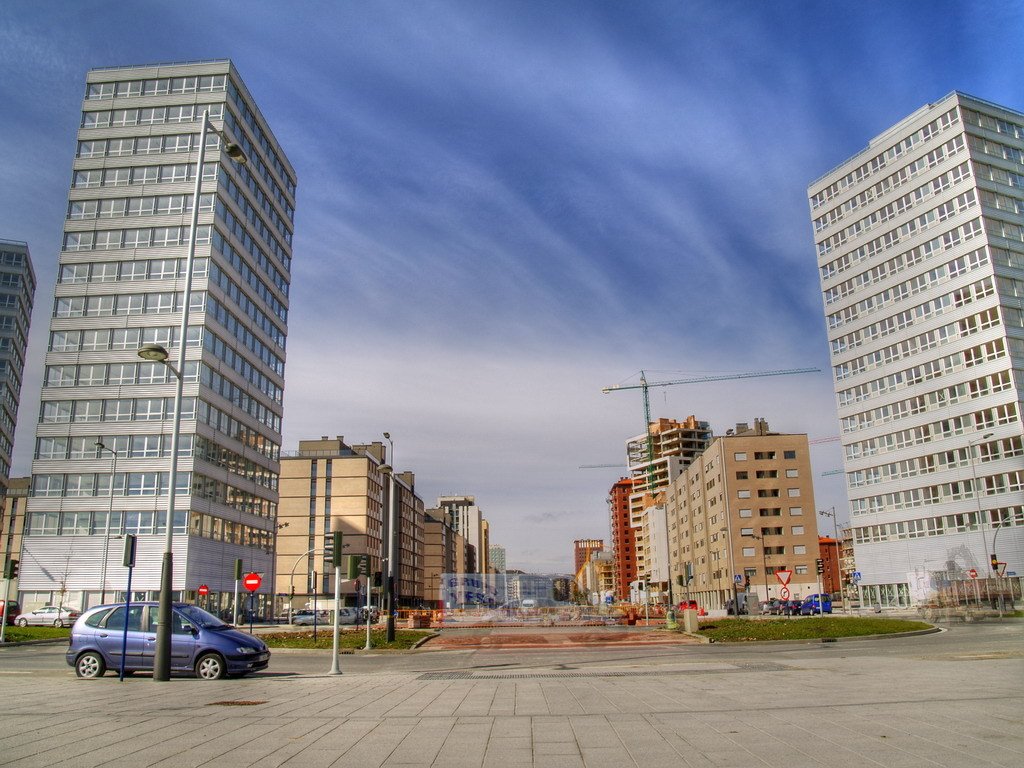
211, 666
58, 623
22, 622
90, 665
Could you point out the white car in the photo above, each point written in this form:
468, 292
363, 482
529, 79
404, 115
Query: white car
49, 616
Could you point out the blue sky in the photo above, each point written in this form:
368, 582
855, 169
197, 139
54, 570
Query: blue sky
505, 206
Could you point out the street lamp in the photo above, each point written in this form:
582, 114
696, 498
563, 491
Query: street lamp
110, 512
156, 353
389, 548
977, 495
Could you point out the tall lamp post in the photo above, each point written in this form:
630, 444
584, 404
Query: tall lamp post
156, 353
389, 548
110, 511
839, 551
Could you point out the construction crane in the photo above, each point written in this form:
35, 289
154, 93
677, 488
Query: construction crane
646, 385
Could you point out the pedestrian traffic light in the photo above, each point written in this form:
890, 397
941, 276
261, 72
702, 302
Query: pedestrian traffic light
820, 564
11, 569
378, 579
995, 562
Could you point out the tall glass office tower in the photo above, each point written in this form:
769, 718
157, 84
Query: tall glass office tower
920, 244
17, 292
102, 457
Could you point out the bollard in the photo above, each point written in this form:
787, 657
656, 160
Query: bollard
670, 619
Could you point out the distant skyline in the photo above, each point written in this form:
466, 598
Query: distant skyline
505, 206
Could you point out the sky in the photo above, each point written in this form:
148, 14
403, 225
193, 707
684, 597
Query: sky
504, 207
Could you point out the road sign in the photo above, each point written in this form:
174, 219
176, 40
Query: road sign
784, 593
203, 590
783, 577
252, 581
972, 573
738, 579
856, 576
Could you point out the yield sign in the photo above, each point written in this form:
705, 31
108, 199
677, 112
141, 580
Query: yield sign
784, 577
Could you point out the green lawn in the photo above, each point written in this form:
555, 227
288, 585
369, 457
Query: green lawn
21, 634
804, 628
349, 640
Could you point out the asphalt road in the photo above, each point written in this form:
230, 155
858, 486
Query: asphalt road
957, 642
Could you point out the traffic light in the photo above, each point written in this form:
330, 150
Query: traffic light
238, 569
11, 569
820, 565
378, 579
336, 549
995, 562
356, 567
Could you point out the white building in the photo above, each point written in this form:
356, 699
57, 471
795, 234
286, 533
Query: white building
102, 455
920, 244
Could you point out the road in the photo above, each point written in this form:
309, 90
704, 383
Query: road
948, 699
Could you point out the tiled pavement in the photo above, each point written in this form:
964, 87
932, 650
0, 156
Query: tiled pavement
769, 707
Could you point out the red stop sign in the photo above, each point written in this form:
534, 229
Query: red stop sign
203, 590
252, 581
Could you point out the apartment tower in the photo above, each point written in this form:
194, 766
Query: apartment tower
102, 457
920, 245
17, 293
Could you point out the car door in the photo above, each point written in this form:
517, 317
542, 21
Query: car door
110, 637
183, 642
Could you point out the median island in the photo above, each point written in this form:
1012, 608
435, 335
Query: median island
808, 628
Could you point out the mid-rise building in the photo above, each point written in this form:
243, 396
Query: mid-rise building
920, 248
17, 293
102, 460
467, 520
741, 512
581, 549
623, 538
12, 523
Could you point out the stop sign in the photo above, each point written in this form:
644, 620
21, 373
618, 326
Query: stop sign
252, 581
972, 573
203, 590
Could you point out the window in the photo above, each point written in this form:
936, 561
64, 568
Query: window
746, 531
133, 270
792, 473
796, 511
741, 475
120, 147
743, 494
99, 306
145, 446
149, 145
80, 209
143, 484
799, 549
746, 513
789, 454
800, 570
52, 448
118, 410
764, 455
793, 492
117, 177
60, 376
88, 410
55, 412
125, 338
739, 456
131, 303
149, 409
152, 373
92, 375
748, 551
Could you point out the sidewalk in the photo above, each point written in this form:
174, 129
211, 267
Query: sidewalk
790, 708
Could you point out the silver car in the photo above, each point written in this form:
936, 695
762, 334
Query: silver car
49, 616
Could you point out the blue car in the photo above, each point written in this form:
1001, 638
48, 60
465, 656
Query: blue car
201, 643
814, 604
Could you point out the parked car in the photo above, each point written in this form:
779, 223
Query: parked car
201, 643
790, 607
816, 604
49, 616
771, 607
13, 609
308, 617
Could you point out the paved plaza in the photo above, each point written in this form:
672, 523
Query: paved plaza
949, 699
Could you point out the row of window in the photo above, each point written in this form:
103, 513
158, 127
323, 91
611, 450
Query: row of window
12, 258
117, 409
221, 278
762, 456
241, 265
115, 374
939, 526
936, 462
946, 334
156, 87
240, 229
170, 173
240, 330
127, 146
994, 124
147, 237
104, 523
127, 118
249, 118
939, 430
904, 175
996, 149
115, 304
999, 256
157, 205
896, 208
239, 363
925, 371
943, 493
771, 512
103, 339
884, 159
248, 436
762, 474
255, 312
255, 213
128, 271
930, 401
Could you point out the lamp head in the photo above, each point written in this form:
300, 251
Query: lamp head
153, 352
235, 152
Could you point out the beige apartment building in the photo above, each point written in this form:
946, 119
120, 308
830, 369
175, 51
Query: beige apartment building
444, 552
745, 508
12, 523
327, 480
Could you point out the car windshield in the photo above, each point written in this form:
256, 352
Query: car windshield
200, 618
